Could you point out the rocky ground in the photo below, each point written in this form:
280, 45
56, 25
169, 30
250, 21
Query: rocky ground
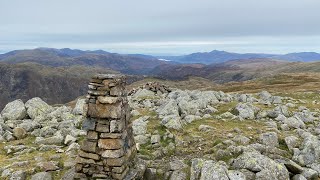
180, 134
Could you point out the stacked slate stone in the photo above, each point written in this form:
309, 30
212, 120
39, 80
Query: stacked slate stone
108, 151
152, 86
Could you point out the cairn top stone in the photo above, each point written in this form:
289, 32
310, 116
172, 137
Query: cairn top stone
108, 76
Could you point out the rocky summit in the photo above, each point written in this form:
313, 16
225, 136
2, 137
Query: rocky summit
178, 135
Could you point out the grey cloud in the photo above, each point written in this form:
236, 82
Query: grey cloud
101, 23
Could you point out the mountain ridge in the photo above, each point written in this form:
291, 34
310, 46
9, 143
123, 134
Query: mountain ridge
217, 56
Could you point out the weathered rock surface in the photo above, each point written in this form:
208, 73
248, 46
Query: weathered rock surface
37, 107
254, 161
14, 110
42, 176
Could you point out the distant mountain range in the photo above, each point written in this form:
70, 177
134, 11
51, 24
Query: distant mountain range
129, 64
60, 75
216, 56
138, 63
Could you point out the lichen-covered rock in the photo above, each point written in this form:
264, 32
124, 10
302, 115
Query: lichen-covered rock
306, 116
291, 142
310, 150
254, 161
214, 170
143, 93
245, 111
276, 100
14, 110
191, 118
172, 122
298, 177
205, 128
139, 125
236, 175
29, 125
309, 173
36, 107
155, 139
141, 139
178, 175
18, 175
170, 107
42, 176
295, 122
69, 139
79, 109
195, 169
242, 140
54, 140
265, 95
269, 139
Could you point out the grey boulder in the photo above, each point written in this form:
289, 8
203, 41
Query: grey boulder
252, 160
36, 107
42, 176
14, 110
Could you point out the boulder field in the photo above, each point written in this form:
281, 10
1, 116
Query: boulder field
179, 134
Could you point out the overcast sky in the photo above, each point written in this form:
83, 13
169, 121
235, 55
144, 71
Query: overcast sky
161, 26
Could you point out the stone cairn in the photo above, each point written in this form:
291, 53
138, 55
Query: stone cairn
108, 152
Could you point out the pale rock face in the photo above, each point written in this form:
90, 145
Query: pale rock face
265, 95
306, 116
210, 109
310, 150
168, 108
277, 100
245, 111
141, 139
42, 176
295, 122
242, 98
18, 175
291, 142
29, 125
155, 139
139, 125
135, 113
172, 122
69, 139
37, 107
228, 115
236, 175
246, 98
195, 170
79, 109
14, 110
254, 161
178, 175
143, 93
214, 170
298, 177
242, 140
269, 139
309, 173
191, 118
54, 140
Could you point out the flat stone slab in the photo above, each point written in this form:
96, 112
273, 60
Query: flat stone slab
108, 76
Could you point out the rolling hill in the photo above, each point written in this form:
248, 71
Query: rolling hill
129, 64
216, 56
